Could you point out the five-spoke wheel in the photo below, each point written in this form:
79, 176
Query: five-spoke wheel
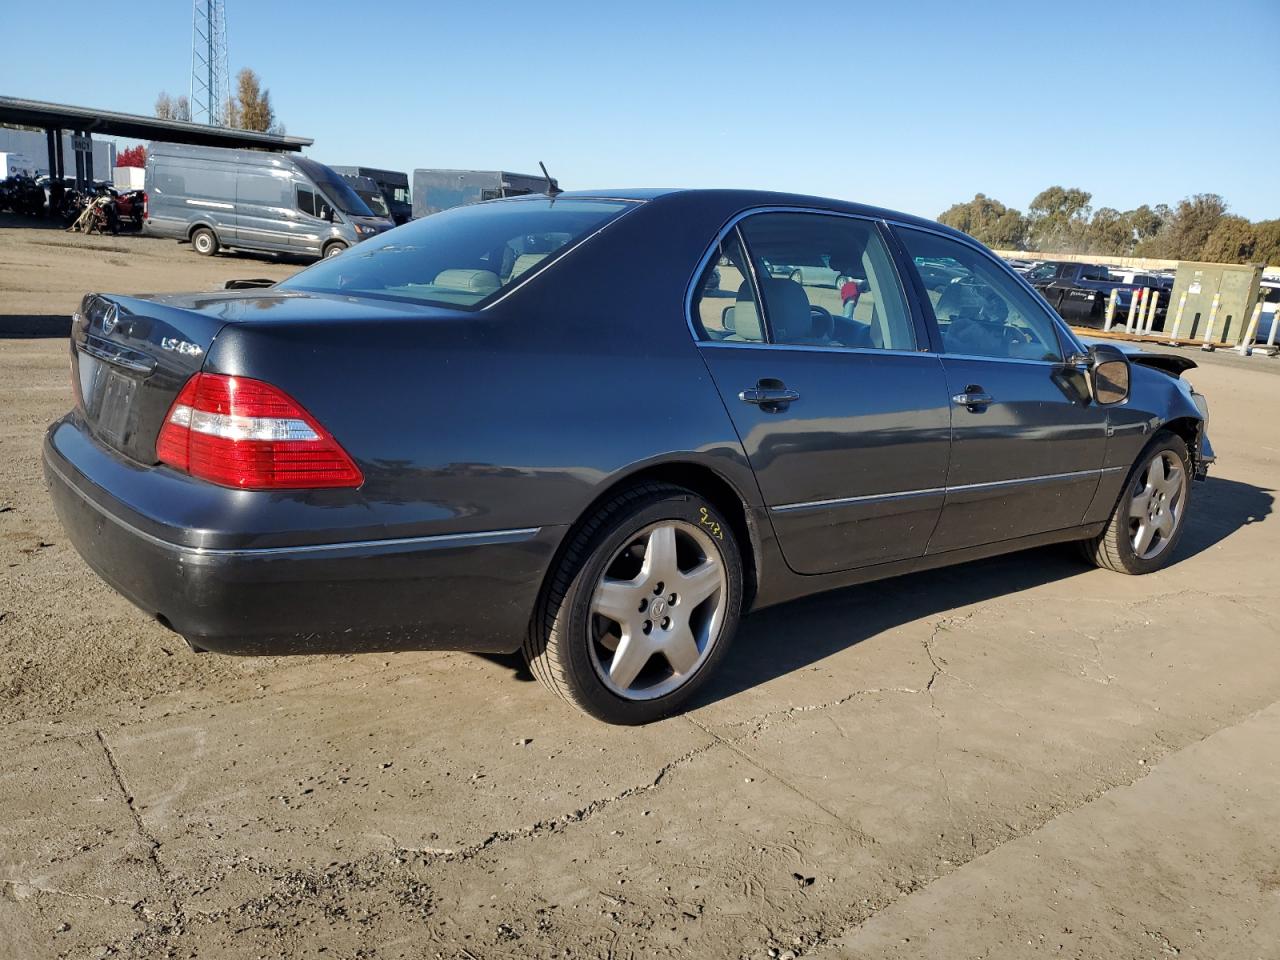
642, 605
658, 609
1147, 522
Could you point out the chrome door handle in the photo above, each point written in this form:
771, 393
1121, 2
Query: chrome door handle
973, 399
769, 395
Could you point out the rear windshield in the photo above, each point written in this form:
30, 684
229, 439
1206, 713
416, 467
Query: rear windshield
462, 257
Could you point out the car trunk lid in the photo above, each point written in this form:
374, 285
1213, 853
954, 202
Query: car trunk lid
129, 357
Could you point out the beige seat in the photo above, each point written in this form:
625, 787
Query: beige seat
481, 282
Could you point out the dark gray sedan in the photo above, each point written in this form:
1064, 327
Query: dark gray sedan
597, 428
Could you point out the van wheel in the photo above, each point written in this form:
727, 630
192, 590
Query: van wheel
333, 249
205, 242
641, 607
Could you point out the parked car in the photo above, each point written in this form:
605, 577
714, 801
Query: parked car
217, 198
527, 425
1269, 291
1080, 291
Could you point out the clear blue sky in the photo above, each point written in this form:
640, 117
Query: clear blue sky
911, 105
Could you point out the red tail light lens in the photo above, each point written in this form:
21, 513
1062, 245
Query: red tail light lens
146, 206
245, 433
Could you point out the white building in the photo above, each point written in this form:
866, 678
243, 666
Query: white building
32, 144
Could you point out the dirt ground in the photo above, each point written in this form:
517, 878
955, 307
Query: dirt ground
1022, 757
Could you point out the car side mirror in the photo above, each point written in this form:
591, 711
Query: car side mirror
1108, 374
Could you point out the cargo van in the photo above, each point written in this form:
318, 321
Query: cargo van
252, 200
393, 185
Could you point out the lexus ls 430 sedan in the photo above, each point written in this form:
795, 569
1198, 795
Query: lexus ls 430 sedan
598, 428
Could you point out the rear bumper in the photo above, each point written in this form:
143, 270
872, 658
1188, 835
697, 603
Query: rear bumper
473, 590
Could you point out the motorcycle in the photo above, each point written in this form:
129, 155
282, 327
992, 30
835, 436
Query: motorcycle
21, 194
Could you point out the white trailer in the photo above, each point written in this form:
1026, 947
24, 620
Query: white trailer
16, 164
128, 178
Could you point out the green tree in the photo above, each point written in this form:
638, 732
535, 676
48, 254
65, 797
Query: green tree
1267, 248
1109, 231
1232, 240
988, 221
1145, 222
1186, 229
1057, 218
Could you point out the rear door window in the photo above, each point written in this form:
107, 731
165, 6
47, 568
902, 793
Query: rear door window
827, 281
724, 303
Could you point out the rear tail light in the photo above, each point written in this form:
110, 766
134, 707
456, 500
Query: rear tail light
146, 206
245, 433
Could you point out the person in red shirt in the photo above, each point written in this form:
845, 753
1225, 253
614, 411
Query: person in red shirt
849, 291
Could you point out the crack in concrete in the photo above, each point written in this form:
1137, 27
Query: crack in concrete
552, 825
864, 839
761, 722
153, 845
20, 889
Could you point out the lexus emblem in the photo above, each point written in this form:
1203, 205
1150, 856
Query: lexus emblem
110, 318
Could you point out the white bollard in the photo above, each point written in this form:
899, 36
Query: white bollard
1177, 320
1213, 319
1271, 337
1250, 331
1151, 311
1111, 310
1133, 305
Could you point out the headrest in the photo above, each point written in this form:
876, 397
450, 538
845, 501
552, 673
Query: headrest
467, 281
526, 262
788, 309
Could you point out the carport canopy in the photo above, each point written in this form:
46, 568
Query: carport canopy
85, 121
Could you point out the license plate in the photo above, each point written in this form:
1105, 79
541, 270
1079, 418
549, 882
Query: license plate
115, 400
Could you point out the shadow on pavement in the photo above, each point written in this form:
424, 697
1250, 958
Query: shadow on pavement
25, 326
795, 635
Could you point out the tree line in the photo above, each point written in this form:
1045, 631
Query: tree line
1061, 220
249, 108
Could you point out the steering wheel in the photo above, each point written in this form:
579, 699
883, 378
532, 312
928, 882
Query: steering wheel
822, 316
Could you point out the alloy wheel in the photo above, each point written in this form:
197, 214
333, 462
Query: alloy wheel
657, 610
1156, 504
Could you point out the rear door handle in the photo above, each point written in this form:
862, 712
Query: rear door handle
767, 395
974, 397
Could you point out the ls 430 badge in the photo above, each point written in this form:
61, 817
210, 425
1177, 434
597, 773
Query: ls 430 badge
183, 347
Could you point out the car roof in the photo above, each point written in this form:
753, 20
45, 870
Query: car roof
743, 199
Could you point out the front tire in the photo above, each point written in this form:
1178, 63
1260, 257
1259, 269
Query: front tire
641, 607
332, 250
1147, 523
204, 241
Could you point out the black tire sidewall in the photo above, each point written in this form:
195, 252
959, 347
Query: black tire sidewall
1132, 562
575, 616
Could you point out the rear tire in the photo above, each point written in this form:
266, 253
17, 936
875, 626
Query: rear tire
652, 579
204, 241
1143, 531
